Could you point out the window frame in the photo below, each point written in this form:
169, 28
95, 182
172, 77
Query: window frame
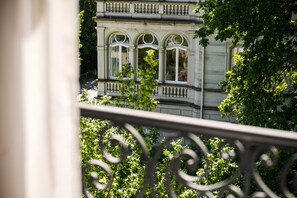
178, 48
155, 47
120, 45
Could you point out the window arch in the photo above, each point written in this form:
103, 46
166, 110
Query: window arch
118, 53
144, 43
176, 59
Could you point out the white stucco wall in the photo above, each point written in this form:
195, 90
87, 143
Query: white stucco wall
206, 68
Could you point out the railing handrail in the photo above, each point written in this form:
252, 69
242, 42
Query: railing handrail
255, 135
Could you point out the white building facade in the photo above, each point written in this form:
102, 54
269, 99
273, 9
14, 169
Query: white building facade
188, 74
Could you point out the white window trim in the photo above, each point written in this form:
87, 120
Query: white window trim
141, 46
120, 59
177, 48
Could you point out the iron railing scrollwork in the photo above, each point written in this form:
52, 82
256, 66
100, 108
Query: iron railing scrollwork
253, 149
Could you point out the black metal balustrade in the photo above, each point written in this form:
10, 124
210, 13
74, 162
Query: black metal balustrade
253, 147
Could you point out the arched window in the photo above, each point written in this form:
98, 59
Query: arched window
145, 43
118, 54
176, 59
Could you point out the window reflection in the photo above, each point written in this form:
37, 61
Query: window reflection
115, 61
147, 42
176, 56
119, 55
176, 59
170, 64
183, 65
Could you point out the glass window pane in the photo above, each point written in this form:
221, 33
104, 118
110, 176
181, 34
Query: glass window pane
141, 55
157, 67
170, 64
183, 66
121, 38
170, 41
141, 62
178, 40
185, 43
115, 61
155, 41
148, 38
113, 40
125, 62
125, 56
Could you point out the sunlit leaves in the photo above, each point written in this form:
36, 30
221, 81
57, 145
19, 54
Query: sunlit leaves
261, 87
137, 94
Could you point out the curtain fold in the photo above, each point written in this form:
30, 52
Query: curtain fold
39, 145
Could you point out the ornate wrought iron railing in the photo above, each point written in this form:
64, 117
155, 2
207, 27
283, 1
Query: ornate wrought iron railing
256, 151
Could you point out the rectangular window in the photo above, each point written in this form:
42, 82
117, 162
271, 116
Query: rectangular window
119, 58
115, 61
183, 66
170, 64
177, 65
125, 55
125, 66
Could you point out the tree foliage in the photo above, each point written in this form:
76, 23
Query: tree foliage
134, 94
262, 87
88, 39
80, 16
128, 176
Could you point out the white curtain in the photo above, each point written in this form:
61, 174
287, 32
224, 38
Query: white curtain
39, 146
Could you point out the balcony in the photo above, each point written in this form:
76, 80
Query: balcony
255, 150
163, 91
165, 10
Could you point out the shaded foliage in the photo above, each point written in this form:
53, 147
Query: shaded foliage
80, 16
88, 38
262, 87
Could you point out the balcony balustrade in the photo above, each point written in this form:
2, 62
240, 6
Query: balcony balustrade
146, 8
112, 87
141, 9
162, 91
175, 92
117, 7
255, 149
172, 9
